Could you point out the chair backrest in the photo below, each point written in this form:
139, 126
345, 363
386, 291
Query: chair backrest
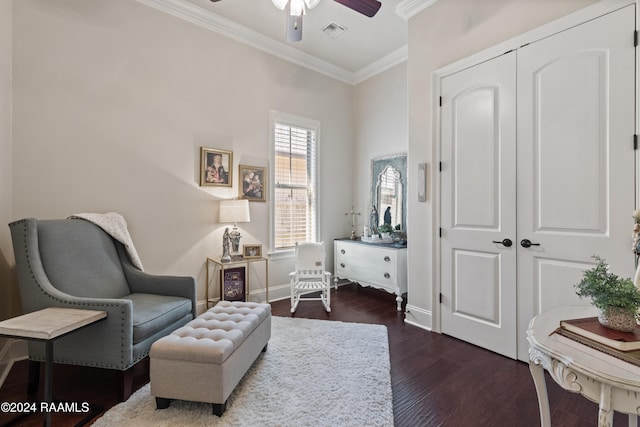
80, 259
310, 259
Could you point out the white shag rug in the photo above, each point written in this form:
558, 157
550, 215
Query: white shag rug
314, 373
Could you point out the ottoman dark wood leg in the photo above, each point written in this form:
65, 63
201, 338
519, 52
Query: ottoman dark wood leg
219, 408
162, 403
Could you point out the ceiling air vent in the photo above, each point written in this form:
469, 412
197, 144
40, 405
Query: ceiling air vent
334, 30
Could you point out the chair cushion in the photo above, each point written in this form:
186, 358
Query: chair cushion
152, 313
81, 259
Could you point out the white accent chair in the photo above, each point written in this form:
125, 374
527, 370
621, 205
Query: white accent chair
310, 276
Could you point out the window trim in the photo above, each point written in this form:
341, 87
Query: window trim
303, 122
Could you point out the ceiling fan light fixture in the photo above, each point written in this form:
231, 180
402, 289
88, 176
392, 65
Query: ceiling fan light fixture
311, 3
280, 4
296, 8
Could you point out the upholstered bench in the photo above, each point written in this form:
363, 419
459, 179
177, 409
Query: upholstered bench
205, 360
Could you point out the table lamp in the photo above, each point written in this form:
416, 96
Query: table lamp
233, 211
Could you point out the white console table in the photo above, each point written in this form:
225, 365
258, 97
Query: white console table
613, 385
379, 265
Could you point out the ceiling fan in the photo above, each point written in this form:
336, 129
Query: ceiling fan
297, 8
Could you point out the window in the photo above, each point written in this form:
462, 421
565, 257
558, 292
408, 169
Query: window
294, 195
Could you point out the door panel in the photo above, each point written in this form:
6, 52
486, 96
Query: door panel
575, 160
478, 205
561, 105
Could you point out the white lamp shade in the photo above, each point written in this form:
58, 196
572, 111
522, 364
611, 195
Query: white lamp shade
234, 211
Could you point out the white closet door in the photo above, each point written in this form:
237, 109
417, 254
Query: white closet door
575, 160
478, 152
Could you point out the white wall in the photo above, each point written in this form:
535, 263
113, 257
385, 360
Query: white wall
439, 35
381, 129
8, 285
112, 102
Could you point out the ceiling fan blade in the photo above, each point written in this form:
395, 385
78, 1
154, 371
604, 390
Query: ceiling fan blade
366, 7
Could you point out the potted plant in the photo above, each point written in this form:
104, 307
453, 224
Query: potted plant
617, 299
385, 230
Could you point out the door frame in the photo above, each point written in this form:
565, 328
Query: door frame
561, 24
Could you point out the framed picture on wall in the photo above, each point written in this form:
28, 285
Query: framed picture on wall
251, 251
253, 186
215, 167
233, 284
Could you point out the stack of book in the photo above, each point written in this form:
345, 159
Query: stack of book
588, 331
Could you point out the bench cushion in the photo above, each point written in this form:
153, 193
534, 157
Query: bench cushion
214, 335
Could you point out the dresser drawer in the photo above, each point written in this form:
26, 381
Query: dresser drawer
367, 263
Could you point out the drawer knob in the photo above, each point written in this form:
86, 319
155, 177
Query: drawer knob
342, 264
387, 275
387, 259
342, 251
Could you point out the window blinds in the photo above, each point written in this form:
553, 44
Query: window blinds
294, 186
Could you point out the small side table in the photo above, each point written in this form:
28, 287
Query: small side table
580, 369
244, 261
48, 325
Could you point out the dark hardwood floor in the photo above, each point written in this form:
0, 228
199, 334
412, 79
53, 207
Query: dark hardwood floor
437, 380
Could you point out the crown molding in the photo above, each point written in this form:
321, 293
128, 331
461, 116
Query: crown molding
407, 8
384, 63
242, 34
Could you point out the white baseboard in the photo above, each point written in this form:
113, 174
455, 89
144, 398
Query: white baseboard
418, 317
11, 351
276, 293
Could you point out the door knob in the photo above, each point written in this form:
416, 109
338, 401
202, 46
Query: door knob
506, 242
526, 243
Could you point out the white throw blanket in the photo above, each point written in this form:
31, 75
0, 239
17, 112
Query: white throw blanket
114, 225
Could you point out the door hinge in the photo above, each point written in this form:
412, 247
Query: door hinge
440, 232
635, 38
440, 101
440, 297
635, 142
439, 166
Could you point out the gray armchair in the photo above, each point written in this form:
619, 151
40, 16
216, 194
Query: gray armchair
74, 263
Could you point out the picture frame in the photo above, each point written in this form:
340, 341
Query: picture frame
253, 187
216, 167
251, 251
233, 284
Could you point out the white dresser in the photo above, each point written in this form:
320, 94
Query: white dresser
382, 266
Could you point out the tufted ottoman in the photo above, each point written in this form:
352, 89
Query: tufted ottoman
204, 360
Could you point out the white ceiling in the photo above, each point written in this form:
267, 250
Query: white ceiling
368, 46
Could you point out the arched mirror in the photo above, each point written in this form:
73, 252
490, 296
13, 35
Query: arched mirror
389, 190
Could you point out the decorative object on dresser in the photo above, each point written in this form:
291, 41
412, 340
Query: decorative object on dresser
353, 215
381, 266
233, 211
389, 192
